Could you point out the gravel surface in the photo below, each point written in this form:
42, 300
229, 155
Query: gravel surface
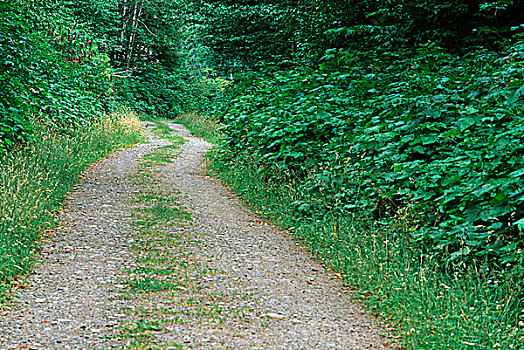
270, 292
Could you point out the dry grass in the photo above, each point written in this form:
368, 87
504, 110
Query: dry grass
34, 180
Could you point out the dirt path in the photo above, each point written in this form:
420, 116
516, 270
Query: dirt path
113, 277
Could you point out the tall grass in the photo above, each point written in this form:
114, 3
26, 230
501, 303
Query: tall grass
201, 125
426, 305
34, 180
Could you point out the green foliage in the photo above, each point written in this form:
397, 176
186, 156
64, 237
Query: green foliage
154, 92
14, 50
244, 34
454, 24
294, 33
133, 33
201, 125
154, 50
428, 307
389, 122
51, 71
63, 64
241, 34
430, 141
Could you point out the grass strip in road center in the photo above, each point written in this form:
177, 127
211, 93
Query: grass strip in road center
166, 286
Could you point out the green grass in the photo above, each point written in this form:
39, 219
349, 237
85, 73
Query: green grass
162, 206
426, 306
167, 269
166, 209
35, 179
158, 273
164, 131
164, 155
153, 284
200, 125
141, 328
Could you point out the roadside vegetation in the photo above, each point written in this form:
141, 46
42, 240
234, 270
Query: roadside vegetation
35, 179
202, 125
73, 77
388, 136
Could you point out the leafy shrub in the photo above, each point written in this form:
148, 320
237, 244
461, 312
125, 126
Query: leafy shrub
52, 71
166, 93
15, 50
429, 140
429, 307
159, 69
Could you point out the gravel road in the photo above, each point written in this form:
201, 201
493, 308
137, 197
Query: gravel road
273, 295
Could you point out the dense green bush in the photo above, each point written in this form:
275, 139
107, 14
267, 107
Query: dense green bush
156, 91
428, 306
12, 120
429, 140
51, 71
241, 34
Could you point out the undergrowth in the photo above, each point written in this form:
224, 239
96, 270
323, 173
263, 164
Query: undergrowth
404, 170
35, 179
425, 305
428, 138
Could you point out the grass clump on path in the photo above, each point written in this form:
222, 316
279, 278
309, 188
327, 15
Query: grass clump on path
35, 179
159, 272
198, 124
167, 283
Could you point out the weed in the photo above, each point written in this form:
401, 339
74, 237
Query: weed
163, 131
164, 211
151, 284
164, 155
